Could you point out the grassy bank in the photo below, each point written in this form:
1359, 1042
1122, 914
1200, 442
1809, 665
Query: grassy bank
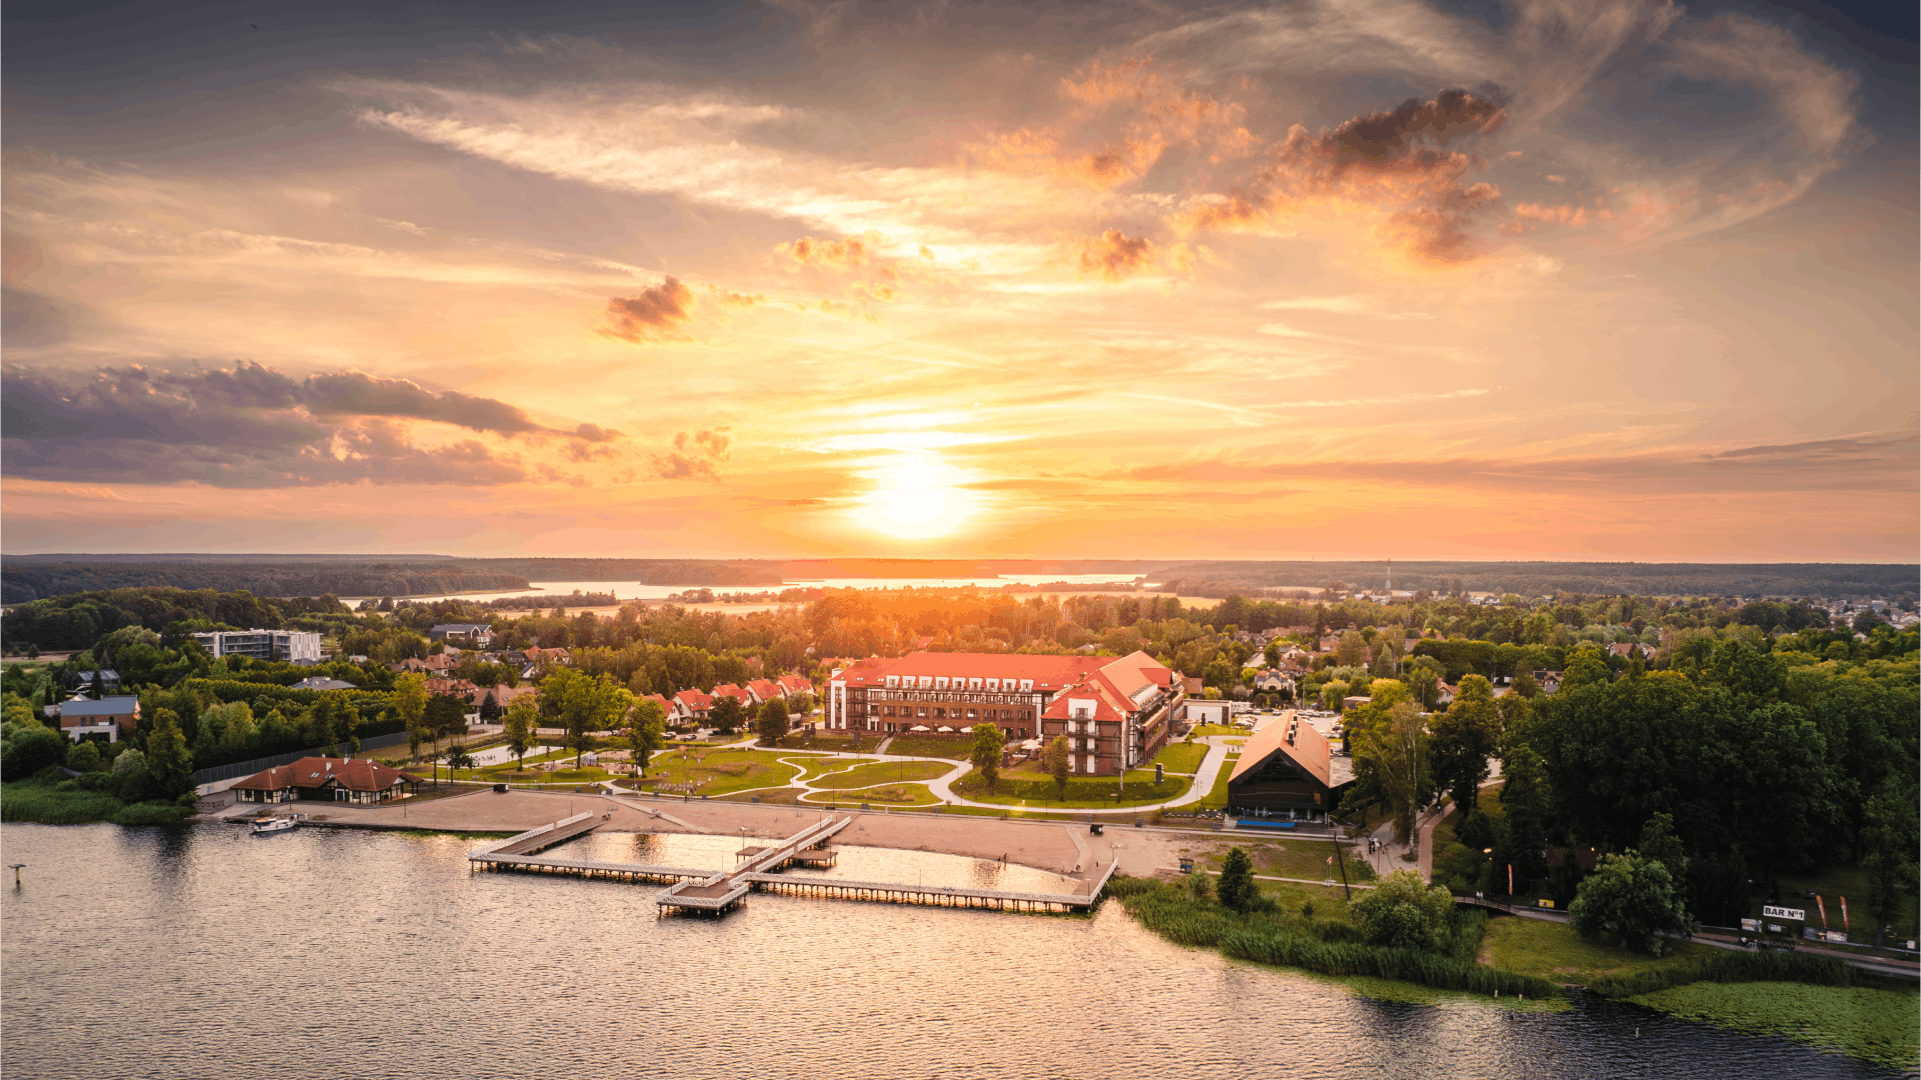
64, 803
1023, 787
1874, 1025
1324, 941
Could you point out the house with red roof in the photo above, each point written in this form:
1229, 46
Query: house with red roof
691, 705
738, 693
795, 684
504, 696
764, 690
349, 780
1136, 698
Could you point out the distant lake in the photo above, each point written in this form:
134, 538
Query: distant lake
193, 951
640, 590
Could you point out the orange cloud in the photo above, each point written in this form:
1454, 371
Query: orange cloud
808, 251
1113, 255
654, 315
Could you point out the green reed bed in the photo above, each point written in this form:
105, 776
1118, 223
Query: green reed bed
1322, 945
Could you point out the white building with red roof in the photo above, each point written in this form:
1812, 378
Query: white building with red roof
795, 684
1129, 703
738, 693
691, 705
764, 690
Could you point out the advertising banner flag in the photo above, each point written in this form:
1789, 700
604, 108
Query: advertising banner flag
1824, 910
1844, 914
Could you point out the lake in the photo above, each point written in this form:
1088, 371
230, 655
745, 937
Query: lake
205, 951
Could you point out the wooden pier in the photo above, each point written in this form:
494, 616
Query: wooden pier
713, 892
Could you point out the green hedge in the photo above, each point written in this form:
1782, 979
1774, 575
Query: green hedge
264, 696
1734, 967
1079, 789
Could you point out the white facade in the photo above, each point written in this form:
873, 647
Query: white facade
285, 645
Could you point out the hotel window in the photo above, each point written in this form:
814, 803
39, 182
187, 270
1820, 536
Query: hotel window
921, 712
940, 713
973, 714
887, 710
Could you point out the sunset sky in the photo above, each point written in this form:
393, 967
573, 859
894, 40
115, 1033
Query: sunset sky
1379, 278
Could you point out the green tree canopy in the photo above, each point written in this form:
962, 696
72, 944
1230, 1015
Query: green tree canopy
1630, 898
1402, 911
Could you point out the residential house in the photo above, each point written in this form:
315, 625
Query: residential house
764, 691
110, 716
477, 635
1632, 649
438, 664
349, 780
463, 689
738, 693
691, 706
795, 684
503, 696
109, 681
320, 683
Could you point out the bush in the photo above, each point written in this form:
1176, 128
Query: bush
30, 752
1403, 912
150, 814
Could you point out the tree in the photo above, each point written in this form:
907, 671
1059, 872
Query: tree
30, 751
1424, 678
1396, 755
409, 703
1630, 897
1403, 912
1461, 740
1889, 835
1522, 835
1659, 843
84, 756
646, 732
1523, 684
444, 716
586, 704
99, 683
1055, 760
987, 753
773, 721
168, 759
458, 758
1236, 888
727, 715
521, 726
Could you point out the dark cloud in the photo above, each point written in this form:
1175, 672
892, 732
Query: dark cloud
251, 426
1398, 160
655, 315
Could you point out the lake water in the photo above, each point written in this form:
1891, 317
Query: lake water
640, 590
204, 951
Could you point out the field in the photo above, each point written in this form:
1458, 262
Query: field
720, 772
1027, 786
885, 795
1556, 953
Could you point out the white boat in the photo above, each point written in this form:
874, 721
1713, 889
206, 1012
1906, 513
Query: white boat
264, 825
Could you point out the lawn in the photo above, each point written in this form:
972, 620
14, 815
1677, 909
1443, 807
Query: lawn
1556, 953
884, 795
720, 772
1293, 858
931, 746
1216, 729
1217, 795
1875, 1025
839, 744
884, 772
1832, 884
1025, 787
1181, 757
813, 767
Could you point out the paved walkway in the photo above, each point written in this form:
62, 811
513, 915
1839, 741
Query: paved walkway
942, 786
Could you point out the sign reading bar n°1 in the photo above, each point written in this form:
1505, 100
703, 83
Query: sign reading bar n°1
1794, 913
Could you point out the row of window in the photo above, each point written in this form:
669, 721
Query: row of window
941, 712
943, 682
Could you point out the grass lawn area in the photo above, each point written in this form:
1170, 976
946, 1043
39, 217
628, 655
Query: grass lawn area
1875, 1025
1029, 787
815, 767
884, 772
931, 746
588, 775
721, 772
1217, 729
1556, 953
1217, 795
840, 744
1834, 883
884, 795
777, 795
1292, 858
1181, 757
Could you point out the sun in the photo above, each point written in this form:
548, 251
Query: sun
915, 497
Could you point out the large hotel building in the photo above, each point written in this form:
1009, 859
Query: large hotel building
1116, 713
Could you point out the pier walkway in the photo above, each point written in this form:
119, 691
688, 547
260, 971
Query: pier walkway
716, 892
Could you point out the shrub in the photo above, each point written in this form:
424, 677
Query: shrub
1403, 912
30, 752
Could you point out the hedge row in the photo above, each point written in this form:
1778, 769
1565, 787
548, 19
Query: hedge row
1733, 967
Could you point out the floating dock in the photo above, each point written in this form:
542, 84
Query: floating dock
718, 892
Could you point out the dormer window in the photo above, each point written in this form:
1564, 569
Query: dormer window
940, 682
993, 684
893, 682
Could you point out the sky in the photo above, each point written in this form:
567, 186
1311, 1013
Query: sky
1602, 279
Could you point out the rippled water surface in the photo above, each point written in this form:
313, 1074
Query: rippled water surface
204, 951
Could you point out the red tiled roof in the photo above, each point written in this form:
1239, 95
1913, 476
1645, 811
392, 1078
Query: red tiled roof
766, 688
354, 774
735, 692
694, 699
1048, 673
796, 684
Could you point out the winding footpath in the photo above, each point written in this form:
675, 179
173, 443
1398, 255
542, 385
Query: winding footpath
942, 786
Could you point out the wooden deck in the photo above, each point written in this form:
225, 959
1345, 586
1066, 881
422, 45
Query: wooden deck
714, 892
